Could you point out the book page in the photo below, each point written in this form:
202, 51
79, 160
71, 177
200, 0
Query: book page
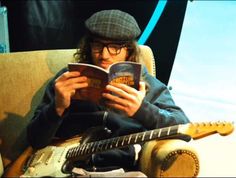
97, 80
125, 72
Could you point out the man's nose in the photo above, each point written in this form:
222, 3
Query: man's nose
105, 53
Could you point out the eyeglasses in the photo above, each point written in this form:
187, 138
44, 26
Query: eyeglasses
113, 48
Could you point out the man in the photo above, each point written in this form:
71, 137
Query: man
111, 37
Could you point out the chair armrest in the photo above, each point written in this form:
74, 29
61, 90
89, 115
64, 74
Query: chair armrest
1, 163
1, 166
169, 158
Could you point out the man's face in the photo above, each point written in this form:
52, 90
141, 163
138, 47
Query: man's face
105, 53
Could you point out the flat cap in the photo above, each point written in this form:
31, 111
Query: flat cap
113, 24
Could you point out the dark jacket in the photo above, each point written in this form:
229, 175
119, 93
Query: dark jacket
157, 110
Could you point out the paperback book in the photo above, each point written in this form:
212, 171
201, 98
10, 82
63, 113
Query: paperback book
121, 72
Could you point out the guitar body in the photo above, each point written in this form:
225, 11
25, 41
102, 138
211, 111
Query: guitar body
47, 161
16, 169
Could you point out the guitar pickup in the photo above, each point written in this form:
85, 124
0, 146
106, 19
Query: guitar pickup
49, 158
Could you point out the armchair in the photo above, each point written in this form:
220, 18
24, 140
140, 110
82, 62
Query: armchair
24, 76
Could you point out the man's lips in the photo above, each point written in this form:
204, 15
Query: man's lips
105, 62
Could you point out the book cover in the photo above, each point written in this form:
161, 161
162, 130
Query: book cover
121, 72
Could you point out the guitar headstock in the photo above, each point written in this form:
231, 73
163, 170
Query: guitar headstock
199, 130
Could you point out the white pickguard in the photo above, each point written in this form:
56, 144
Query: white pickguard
48, 162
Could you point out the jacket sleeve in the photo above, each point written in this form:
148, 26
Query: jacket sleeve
158, 108
45, 122
47, 125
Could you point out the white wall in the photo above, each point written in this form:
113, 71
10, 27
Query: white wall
203, 78
204, 72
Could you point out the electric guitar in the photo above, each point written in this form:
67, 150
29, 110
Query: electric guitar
55, 160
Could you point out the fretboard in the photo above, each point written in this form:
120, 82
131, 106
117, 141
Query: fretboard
122, 141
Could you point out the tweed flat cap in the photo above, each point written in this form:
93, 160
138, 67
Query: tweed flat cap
113, 24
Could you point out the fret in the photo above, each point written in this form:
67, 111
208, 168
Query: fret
112, 141
68, 153
111, 146
139, 138
73, 152
102, 145
159, 133
90, 148
174, 130
87, 148
177, 129
123, 140
150, 137
126, 140
117, 142
76, 151
79, 149
164, 132
129, 139
132, 139
93, 147
168, 132
143, 136
147, 136
154, 133
107, 144
98, 146
136, 138
82, 149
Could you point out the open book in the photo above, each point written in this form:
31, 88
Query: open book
122, 72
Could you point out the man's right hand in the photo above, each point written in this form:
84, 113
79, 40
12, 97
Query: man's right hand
65, 87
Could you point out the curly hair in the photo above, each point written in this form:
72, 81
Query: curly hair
83, 52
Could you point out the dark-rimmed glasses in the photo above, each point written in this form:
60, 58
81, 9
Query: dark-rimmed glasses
113, 48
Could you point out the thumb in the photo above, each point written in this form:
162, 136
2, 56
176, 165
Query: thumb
142, 87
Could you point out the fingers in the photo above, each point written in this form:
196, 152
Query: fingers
125, 91
142, 87
65, 87
125, 98
114, 98
123, 87
119, 90
68, 74
71, 80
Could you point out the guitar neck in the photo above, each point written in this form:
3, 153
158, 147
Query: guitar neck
122, 141
195, 130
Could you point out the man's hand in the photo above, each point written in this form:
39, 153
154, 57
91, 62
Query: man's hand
65, 87
125, 98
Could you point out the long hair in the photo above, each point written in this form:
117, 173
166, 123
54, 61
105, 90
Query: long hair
83, 52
